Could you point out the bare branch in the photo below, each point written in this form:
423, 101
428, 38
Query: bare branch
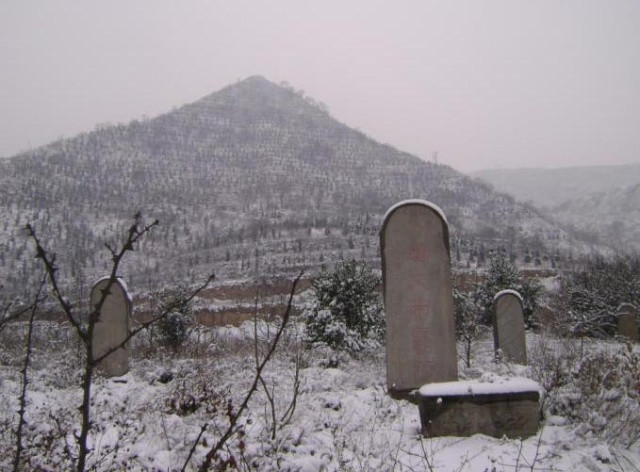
49, 262
193, 447
288, 414
25, 379
256, 355
233, 420
7, 317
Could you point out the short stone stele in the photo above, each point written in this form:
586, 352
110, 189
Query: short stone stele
508, 326
626, 320
112, 327
416, 274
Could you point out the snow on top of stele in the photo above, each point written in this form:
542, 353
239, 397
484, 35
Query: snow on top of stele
415, 201
626, 306
122, 283
504, 292
487, 384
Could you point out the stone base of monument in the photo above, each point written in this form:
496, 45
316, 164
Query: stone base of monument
492, 405
409, 395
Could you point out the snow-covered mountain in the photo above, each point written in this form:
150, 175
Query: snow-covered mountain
551, 187
598, 203
614, 216
254, 179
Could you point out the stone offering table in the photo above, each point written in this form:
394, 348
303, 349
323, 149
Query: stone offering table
491, 405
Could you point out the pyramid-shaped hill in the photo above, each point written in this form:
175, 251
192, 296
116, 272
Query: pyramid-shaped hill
252, 179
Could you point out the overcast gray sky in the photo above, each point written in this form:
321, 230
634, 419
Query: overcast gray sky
491, 83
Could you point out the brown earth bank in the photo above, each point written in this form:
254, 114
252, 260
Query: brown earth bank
241, 296
251, 289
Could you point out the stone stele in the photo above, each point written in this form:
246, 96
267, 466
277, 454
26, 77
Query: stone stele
416, 274
112, 327
626, 320
508, 326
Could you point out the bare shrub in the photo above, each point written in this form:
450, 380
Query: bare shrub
551, 361
196, 394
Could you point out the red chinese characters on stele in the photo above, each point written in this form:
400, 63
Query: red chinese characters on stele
418, 253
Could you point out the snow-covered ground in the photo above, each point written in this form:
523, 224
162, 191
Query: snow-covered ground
343, 418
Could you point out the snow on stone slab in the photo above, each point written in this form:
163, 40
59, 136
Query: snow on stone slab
488, 384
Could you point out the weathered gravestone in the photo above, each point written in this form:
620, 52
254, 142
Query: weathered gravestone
508, 326
112, 326
626, 320
416, 274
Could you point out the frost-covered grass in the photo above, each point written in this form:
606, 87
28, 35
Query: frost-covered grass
343, 419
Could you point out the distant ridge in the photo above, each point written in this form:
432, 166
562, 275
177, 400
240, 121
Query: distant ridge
551, 187
600, 202
253, 179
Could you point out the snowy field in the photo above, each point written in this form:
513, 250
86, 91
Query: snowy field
342, 418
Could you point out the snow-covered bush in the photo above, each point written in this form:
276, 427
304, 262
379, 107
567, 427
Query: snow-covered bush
588, 300
551, 361
346, 312
601, 394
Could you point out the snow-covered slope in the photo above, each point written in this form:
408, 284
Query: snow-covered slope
343, 419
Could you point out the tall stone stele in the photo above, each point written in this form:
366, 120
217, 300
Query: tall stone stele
626, 321
416, 275
112, 326
508, 326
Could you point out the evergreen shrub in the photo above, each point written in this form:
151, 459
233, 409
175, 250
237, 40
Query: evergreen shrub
346, 312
